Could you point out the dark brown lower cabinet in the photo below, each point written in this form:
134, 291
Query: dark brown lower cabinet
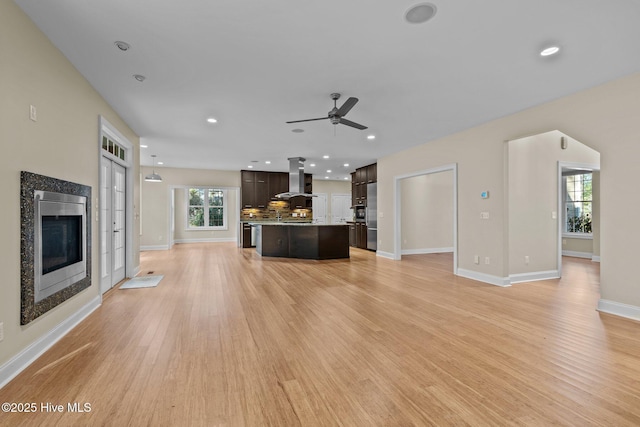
246, 235
361, 235
353, 240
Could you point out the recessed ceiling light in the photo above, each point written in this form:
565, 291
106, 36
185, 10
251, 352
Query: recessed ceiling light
420, 13
254, 161
346, 177
328, 170
268, 162
139, 77
297, 130
325, 157
371, 137
346, 165
144, 146
326, 177
161, 163
212, 120
551, 50
123, 46
250, 166
313, 165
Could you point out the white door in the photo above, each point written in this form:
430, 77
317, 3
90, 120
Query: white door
341, 208
112, 229
320, 209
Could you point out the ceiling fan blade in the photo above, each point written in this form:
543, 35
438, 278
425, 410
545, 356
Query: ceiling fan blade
348, 105
308, 120
352, 124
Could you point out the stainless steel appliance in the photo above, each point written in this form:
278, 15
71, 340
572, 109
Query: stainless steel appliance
372, 216
360, 213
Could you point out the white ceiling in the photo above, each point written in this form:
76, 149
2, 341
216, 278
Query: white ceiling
254, 65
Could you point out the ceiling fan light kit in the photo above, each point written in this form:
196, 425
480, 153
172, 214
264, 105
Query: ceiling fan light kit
336, 115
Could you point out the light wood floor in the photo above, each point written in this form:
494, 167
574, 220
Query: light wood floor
228, 338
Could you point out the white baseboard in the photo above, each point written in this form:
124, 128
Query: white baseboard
383, 254
595, 258
534, 276
136, 271
426, 251
208, 240
486, 278
575, 254
26, 357
154, 248
619, 309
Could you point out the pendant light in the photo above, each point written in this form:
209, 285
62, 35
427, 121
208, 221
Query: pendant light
154, 177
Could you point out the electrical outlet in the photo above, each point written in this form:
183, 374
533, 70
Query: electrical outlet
476, 259
526, 259
1, 331
486, 260
33, 115
484, 215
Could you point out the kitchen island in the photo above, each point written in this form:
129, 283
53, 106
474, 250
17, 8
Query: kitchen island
302, 240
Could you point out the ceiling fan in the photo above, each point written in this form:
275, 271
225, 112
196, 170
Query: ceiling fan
336, 115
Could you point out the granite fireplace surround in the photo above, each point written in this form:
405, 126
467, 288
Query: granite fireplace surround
29, 183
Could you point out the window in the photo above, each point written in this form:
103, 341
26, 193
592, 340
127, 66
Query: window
578, 202
206, 208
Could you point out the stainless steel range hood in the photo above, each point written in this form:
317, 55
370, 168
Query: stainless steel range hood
296, 179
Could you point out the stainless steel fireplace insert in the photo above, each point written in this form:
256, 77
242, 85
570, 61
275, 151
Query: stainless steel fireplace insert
60, 257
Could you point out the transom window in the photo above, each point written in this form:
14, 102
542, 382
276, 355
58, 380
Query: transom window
578, 202
114, 148
206, 208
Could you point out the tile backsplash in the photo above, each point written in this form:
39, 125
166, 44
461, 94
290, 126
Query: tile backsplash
275, 208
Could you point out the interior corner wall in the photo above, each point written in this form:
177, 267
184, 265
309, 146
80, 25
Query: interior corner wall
427, 213
533, 197
156, 204
62, 143
603, 118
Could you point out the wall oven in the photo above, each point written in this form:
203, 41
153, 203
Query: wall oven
360, 213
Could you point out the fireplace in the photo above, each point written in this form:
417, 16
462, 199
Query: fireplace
59, 238
55, 242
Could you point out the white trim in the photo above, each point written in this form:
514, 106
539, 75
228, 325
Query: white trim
560, 206
383, 254
426, 251
26, 357
619, 309
136, 271
585, 236
534, 276
208, 240
397, 245
595, 258
154, 248
107, 128
576, 254
486, 278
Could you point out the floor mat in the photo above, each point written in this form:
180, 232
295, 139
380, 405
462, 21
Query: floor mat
142, 282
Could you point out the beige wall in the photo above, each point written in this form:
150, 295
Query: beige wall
427, 212
156, 203
584, 246
62, 143
184, 235
603, 118
533, 196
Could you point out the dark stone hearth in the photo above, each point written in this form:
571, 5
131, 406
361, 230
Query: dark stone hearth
29, 183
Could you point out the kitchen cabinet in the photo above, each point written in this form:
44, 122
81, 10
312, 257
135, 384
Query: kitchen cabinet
261, 191
359, 180
246, 235
372, 173
248, 189
353, 239
361, 235
278, 183
258, 188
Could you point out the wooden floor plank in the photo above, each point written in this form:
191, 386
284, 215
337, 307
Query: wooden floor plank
231, 339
